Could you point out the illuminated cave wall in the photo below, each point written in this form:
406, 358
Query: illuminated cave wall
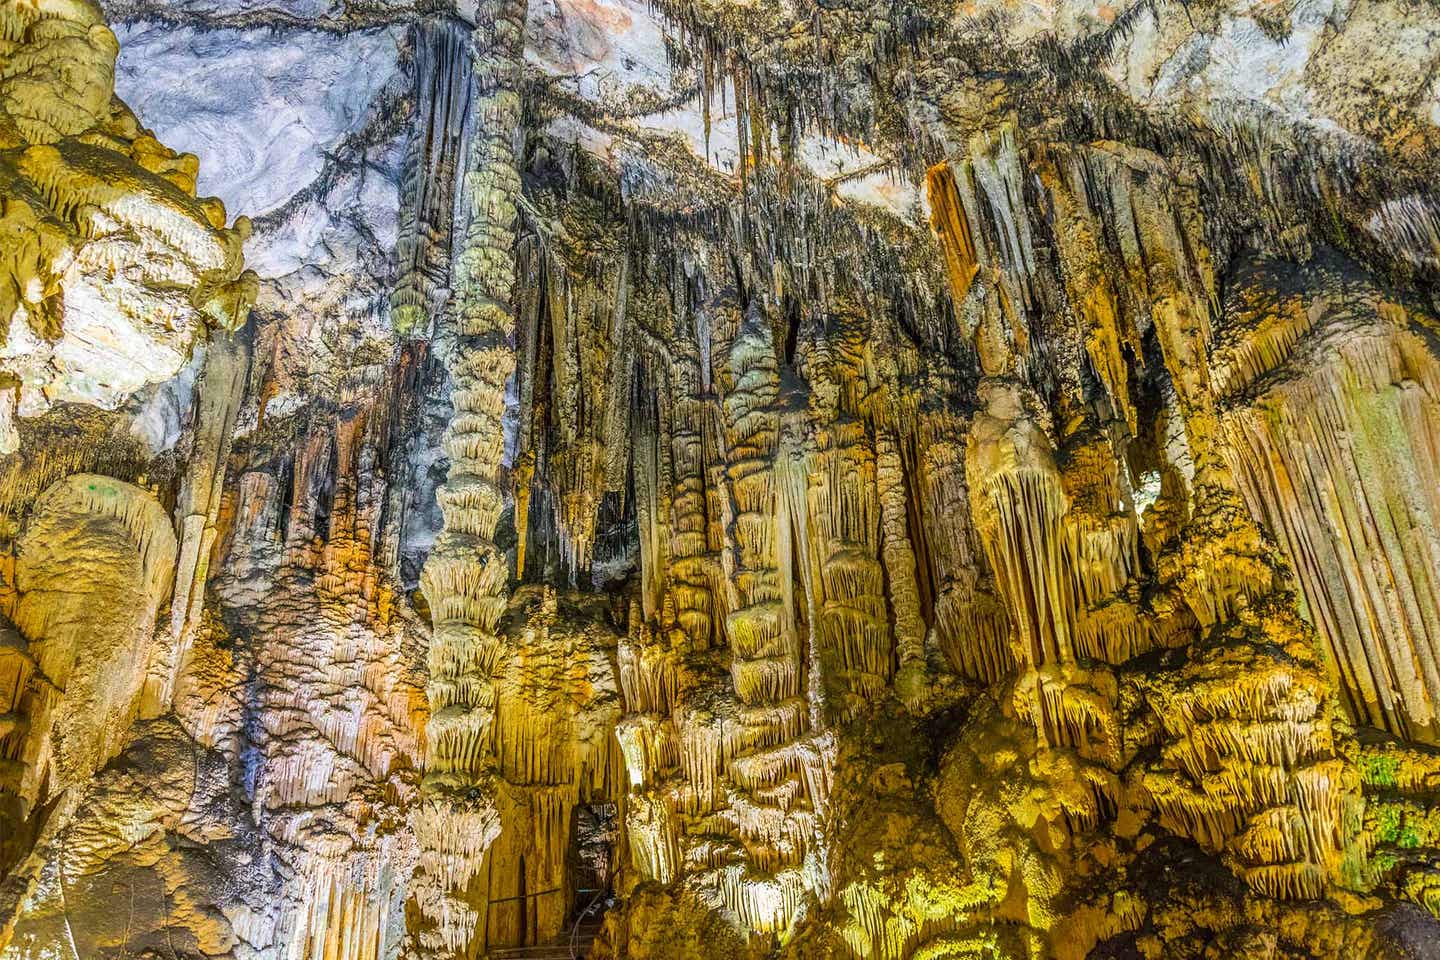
696, 480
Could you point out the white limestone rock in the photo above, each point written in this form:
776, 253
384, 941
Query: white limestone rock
262, 108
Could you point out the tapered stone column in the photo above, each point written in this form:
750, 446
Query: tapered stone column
466, 578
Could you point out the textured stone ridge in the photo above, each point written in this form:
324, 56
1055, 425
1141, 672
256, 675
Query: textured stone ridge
111, 267
717, 481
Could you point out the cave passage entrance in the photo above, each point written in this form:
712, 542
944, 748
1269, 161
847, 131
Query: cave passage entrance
594, 833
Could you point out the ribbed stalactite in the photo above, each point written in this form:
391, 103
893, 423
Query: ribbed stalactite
971, 625
466, 576
1019, 506
443, 88
1064, 557
1334, 434
846, 585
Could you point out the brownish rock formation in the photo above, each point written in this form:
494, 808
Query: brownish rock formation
806, 480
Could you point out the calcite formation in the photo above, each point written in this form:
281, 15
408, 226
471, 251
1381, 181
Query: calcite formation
717, 481
112, 267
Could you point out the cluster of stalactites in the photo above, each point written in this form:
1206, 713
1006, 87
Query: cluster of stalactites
856, 535
840, 532
1251, 771
443, 89
678, 703
579, 366
772, 518
340, 715
1332, 387
1247, 760
972, 627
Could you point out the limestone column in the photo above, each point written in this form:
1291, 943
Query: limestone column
466, 578
771, 807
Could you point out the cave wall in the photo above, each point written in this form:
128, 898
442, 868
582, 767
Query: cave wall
812, 481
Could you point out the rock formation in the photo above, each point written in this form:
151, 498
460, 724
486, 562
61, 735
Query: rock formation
702, 480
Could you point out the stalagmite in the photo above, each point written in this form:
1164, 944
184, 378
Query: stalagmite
86, 666
766, 669
898, 556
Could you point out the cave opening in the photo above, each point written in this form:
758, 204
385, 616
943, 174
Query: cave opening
594, 836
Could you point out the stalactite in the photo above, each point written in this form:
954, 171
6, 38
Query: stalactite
443, 89
197, 514
1018, 503
951, 224
971, 624
1357, 400
1111, 334
842, 524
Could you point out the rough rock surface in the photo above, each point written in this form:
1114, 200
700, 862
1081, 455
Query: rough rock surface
700, 479
111, 268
